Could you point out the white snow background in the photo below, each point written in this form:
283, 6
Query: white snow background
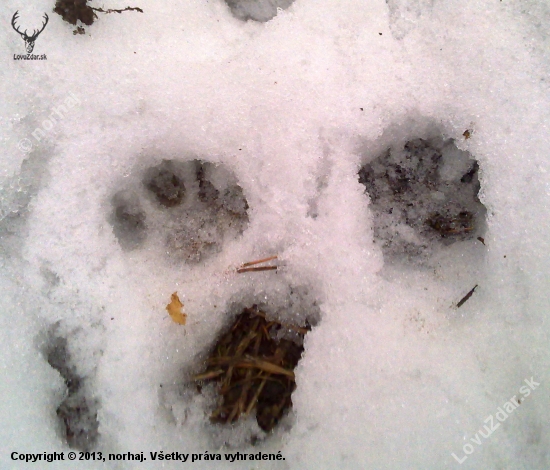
394, 375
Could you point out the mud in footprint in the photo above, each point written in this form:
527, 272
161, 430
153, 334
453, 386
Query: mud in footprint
423, 194
77, 413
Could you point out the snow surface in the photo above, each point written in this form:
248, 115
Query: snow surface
393, 375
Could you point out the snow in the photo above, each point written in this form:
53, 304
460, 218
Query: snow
283, 114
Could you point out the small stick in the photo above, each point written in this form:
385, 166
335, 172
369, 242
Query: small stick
264, 268
256, 363
255, 397
101, 10
235, 412
208, 375
264, 260
466, 297
248, 383
249, 362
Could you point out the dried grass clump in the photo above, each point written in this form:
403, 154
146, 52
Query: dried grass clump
253, 370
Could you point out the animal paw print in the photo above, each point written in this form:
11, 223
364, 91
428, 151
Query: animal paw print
194, 206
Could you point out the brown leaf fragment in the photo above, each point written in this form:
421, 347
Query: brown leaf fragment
175, 310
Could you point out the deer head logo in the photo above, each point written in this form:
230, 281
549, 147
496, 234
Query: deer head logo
29, 40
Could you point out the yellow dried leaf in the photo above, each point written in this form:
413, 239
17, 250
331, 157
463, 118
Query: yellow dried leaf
175, 310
